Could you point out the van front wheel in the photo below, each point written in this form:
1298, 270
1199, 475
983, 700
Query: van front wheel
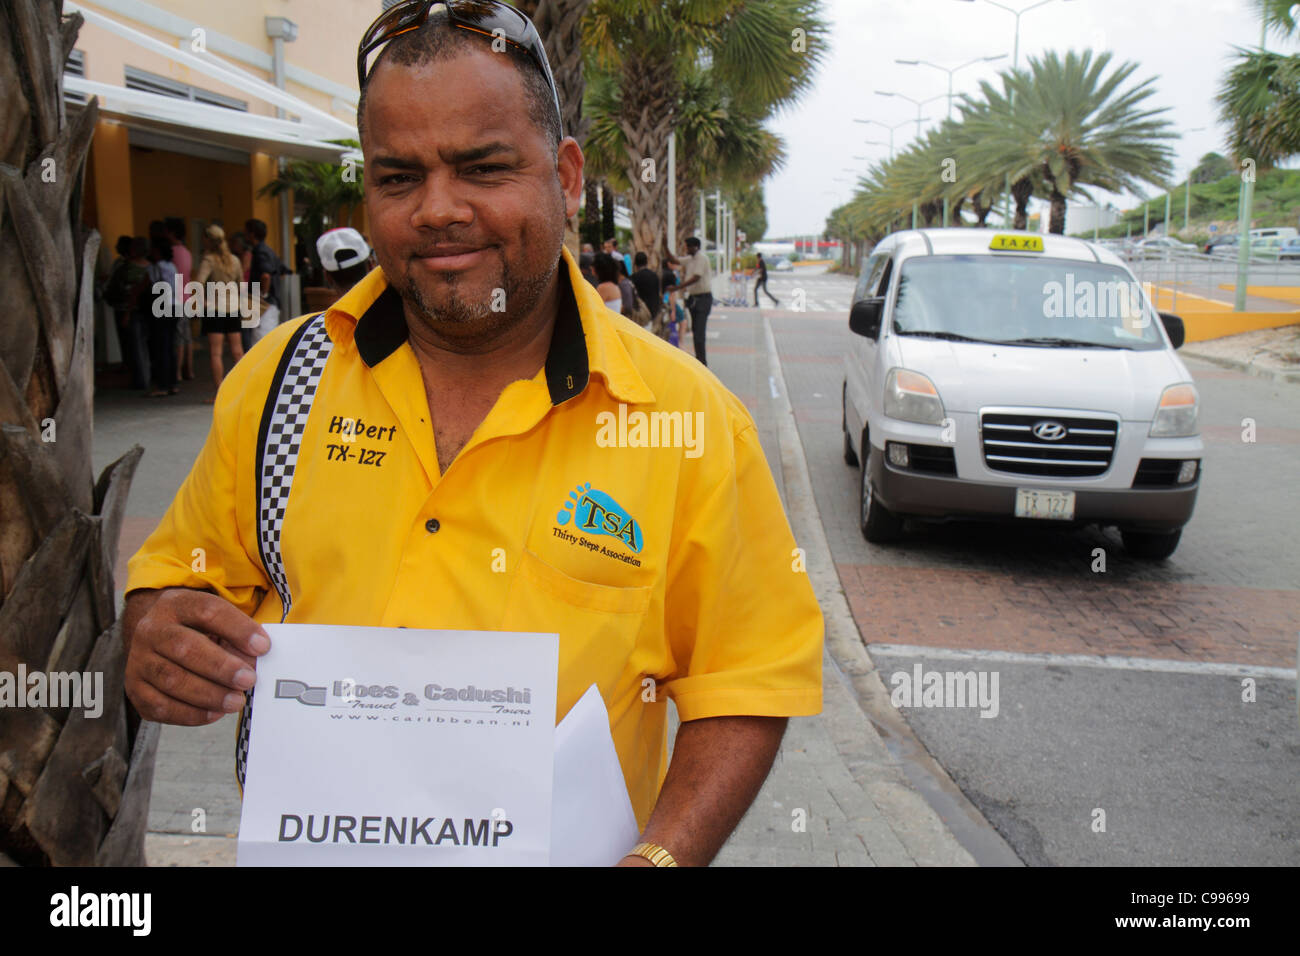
850, 456
1153, 545
879, 524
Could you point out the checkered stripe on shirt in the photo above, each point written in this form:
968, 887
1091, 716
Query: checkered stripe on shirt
277, 456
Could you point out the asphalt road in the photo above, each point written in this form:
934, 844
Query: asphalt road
1126, 692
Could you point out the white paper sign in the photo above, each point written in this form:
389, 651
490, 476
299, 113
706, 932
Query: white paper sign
594, 823
394, 746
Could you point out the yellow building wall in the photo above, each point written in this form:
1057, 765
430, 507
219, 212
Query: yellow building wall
328, 33
109, 171
133, 185
165, 184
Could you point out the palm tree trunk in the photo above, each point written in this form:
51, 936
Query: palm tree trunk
1056, 224
606, 211
688, 212
591, 213
559, 22
1021, 190
649, 97
73, 790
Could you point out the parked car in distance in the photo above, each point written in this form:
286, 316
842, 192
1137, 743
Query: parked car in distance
1266, 247
779, 264
1162, 246
1289, 251
1274, 232
1121, 247
1016, 377
1223, 245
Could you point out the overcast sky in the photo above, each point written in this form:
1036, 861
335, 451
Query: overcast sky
1185, 44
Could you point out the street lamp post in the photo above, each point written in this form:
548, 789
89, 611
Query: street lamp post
1187, 193
1015, 54
950, 72
919, 103
888, 127
1015, 65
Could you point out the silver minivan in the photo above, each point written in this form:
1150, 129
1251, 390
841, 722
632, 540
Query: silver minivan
1017, 377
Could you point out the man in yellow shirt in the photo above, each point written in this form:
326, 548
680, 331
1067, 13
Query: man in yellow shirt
469, 440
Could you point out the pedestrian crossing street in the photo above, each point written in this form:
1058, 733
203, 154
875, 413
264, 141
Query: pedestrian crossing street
796, 292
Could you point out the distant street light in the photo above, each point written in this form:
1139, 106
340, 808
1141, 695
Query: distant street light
1187, 206
1015, 55
888, 127
950, 72
1015, 65
919, 103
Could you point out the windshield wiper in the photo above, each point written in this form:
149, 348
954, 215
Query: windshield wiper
946, 336
1048, 340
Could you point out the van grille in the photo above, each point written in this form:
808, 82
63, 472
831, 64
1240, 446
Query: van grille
1084, 451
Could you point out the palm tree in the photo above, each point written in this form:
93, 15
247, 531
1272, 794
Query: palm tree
647, 47
988, 162
327, 197
560, 24
73, 790
1071, 126
1260, 95
714, 139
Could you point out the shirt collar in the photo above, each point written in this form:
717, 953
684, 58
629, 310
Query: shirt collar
584, 340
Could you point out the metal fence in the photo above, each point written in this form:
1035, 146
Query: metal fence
1204, 275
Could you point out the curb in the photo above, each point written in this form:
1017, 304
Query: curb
961, 818
1274, 375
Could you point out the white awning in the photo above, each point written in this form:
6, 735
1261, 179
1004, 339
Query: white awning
214, 125
303, 138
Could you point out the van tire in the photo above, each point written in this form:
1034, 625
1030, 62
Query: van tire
879, 525
1151, 545
850, 456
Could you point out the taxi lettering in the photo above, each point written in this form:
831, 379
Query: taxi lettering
362, 456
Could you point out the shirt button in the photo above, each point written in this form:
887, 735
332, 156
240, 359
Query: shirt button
432, 525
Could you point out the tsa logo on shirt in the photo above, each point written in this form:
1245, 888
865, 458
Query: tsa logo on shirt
595, 513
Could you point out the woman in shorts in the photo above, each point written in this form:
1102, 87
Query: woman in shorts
221, 274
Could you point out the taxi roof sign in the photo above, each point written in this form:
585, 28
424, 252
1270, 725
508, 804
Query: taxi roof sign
1007, 243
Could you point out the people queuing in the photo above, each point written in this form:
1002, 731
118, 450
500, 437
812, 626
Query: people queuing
148, 322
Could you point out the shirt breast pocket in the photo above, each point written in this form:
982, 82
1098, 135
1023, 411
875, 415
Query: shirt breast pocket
598, 625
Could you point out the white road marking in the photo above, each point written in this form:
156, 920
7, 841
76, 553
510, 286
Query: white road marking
1111, 661
771, 382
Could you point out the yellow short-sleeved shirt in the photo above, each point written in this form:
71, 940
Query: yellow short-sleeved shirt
619, 498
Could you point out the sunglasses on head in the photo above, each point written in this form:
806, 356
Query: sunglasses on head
488, 18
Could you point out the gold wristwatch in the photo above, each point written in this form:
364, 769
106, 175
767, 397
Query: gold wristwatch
654, 853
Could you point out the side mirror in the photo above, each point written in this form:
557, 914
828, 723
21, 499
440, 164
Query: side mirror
864, 319
1174, 326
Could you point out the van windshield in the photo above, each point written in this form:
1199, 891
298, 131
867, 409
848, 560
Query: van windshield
1020, 300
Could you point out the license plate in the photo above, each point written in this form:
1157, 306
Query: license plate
1056, 505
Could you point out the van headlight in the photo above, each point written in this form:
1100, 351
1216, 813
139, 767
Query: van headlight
911, 397
1176, 416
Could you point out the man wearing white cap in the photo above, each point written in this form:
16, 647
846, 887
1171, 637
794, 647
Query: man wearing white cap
345, 257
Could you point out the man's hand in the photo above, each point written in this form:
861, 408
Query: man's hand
718, 766
190, 655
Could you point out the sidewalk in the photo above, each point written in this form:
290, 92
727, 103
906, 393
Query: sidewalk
851, 786
1266, 353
